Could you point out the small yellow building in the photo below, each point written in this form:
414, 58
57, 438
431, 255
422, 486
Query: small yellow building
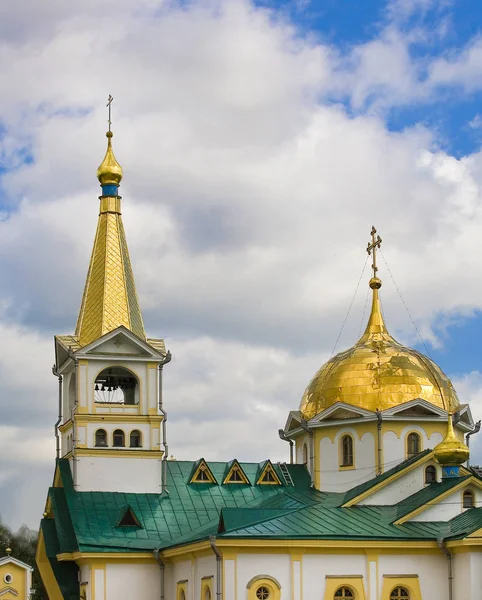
15, 579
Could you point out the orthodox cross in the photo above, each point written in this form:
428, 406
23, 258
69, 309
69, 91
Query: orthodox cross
109, 102
376, 243
8, 550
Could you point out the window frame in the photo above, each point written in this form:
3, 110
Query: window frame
116, 432
433, 469
342, 464
468, 494
409, 435
396, 590
344, 597
134, 431
97, 431
270, 583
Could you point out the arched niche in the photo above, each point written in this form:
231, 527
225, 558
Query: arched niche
116, 385
72, 391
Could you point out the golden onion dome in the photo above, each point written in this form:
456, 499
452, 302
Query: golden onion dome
451, 451
109, 171
377, 373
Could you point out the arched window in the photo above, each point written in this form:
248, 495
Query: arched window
116, 385
101, 437
118, 439
346, 451
430, 474
344, 592
468, 499
135, 439
263, 587
399, 593
207, 593
413, 445
182, 595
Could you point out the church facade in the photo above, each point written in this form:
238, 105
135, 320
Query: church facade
378, 501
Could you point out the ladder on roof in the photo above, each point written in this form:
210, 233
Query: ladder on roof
286, 474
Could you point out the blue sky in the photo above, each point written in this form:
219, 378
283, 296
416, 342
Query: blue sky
260, 141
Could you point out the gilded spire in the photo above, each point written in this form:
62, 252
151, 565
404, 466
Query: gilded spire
451, 452
376, 323
110, 298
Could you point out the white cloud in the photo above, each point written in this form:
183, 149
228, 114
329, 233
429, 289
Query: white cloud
248, 203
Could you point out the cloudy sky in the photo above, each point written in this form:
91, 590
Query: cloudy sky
260, 141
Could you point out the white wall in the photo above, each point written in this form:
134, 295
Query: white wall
251, 565
467, 576
315, 568
133, 582
334, 480
126, 474
394, 450
448, 508
431, 569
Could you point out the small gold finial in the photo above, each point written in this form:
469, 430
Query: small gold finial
376, 242
451, 451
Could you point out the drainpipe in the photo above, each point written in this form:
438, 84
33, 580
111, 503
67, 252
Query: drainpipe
57, 423
304, 426
73, 412
164, 361
443, 546
285, 438
476, 429
219, 572
379, 442
162, 568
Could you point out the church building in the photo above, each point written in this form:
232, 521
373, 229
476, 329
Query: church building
378, 501
15, 578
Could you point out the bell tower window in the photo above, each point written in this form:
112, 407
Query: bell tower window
135, 439
116, 385
118, 439
101, 437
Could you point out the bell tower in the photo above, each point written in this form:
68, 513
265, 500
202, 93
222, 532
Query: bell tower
111, 424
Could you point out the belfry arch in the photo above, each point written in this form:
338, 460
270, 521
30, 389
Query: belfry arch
116, 385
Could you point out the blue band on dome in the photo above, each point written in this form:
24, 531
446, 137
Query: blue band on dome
449, 472
110, 190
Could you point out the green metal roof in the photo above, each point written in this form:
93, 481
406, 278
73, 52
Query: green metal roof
89, 521
363, 487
